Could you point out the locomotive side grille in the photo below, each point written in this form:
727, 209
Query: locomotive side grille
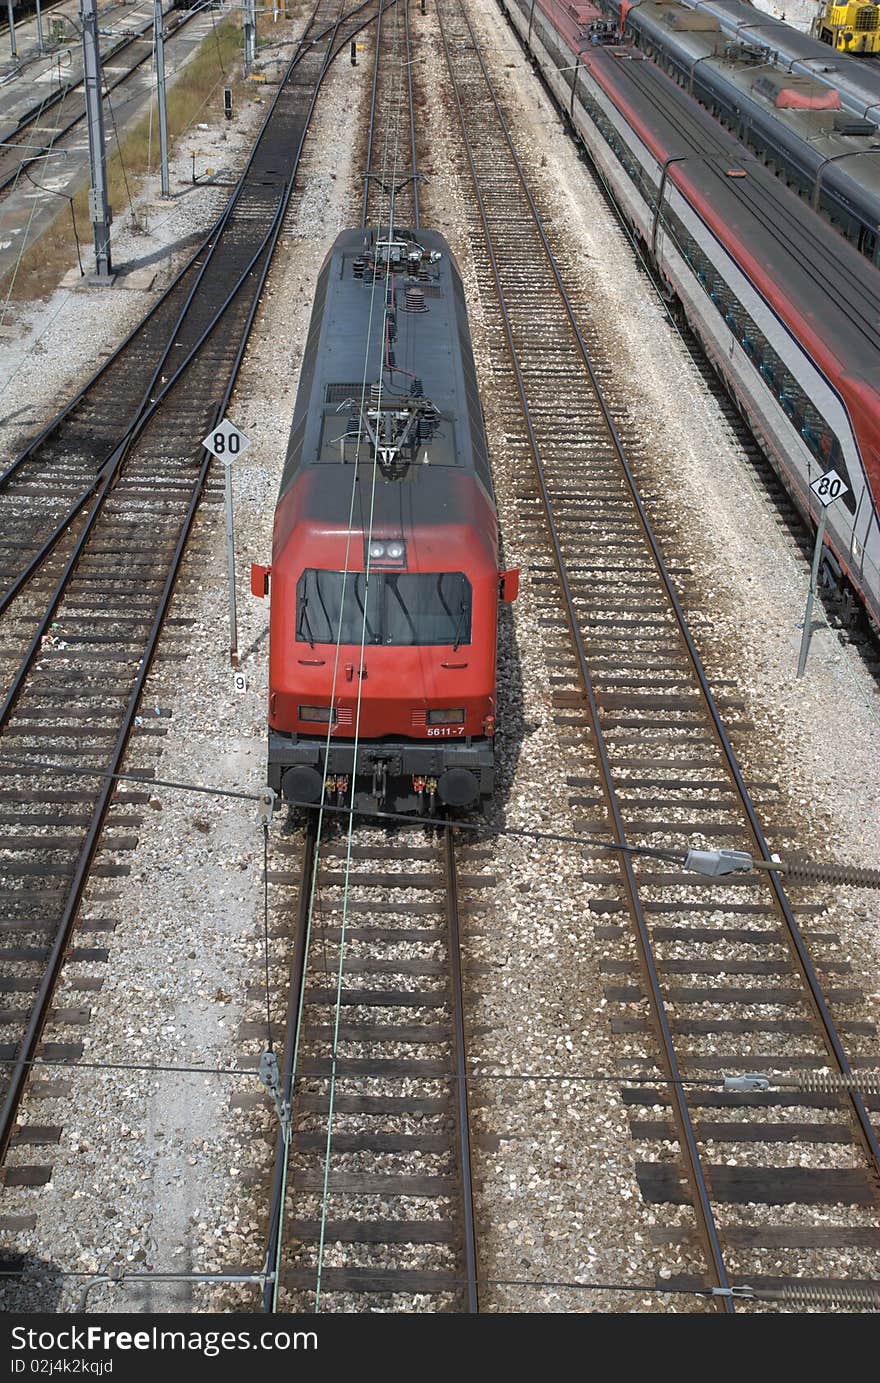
418, 720
344, 715
338, 393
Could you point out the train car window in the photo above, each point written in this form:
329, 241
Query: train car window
809, 422
427, 608
818, 436
402, 608
330, 606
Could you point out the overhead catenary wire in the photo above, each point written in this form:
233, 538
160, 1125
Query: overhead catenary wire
310, 911
347, 573
392, 157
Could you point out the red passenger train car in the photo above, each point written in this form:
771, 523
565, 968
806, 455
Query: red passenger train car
384, 576
786, 309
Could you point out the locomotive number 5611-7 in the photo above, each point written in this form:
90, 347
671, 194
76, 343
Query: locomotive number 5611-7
445, 729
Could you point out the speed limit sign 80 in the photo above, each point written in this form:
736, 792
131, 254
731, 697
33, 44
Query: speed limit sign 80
227, 442
829, 487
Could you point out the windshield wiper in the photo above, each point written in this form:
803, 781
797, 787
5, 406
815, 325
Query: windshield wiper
304, 623
459, 628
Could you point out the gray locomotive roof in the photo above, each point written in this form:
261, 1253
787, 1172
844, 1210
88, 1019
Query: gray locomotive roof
830, 282
428, 498
858, 80
344, 356
849, 163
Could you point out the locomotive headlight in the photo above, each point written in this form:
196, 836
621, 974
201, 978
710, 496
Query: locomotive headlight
446, 717
322, 714
386, 552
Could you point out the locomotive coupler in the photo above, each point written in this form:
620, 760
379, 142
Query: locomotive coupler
380, 780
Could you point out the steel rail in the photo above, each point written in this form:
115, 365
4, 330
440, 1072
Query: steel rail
458, 1074
414, 158
365, 200
40, 1008
461, 1075
702, 1203
296, 971
794, 936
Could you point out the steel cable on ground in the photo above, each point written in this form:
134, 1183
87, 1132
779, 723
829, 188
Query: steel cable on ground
796, 944
321, 810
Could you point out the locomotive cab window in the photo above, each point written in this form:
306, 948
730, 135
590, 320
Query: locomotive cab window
397, 608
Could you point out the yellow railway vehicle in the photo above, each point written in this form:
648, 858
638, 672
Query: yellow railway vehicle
850, 28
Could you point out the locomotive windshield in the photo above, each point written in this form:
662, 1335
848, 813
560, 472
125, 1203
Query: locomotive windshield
401, 608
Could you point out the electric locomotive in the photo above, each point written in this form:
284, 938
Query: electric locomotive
384, 576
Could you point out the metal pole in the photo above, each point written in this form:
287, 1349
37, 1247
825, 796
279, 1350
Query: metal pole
807, 633
99, 207
40, 44
13, 51
230, 567
249, 26
160, 91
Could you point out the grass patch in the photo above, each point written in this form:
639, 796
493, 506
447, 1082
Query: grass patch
196, 96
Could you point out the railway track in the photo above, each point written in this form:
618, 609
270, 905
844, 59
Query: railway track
392, 121
371, 1206
707, 978
87, 597
66, 103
